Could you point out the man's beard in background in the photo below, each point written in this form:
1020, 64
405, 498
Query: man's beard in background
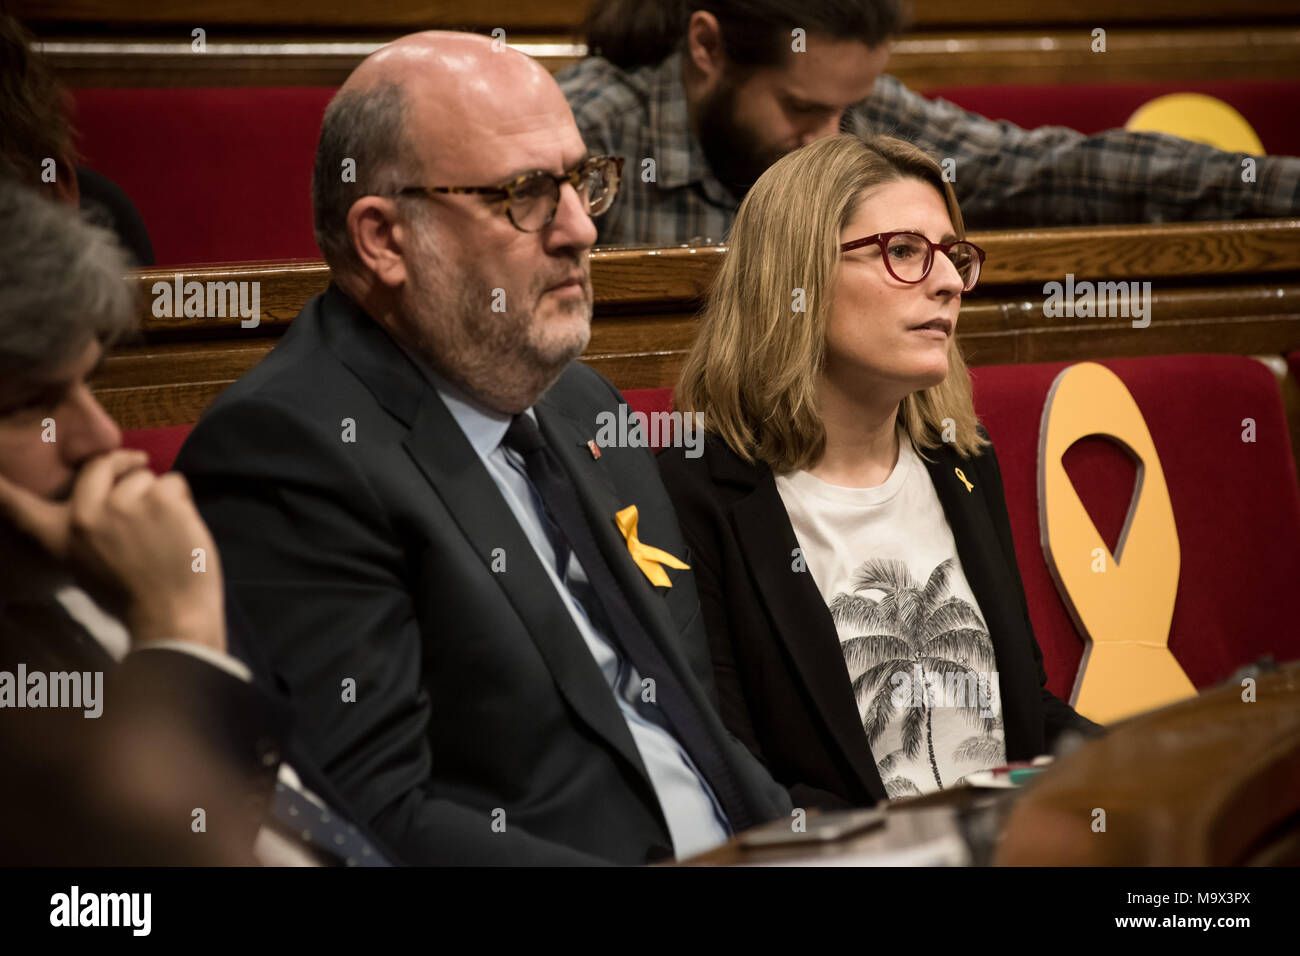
734, 153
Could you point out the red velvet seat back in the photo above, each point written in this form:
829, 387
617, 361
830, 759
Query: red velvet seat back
219, 175
1268, 105
224, 175
1236, 503
162, 445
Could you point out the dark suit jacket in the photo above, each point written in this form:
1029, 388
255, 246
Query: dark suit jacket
240, 730
371, 561
780, 674
224, 728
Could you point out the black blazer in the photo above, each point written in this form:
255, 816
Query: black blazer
228, 726
780, 674
378, 561
242, 727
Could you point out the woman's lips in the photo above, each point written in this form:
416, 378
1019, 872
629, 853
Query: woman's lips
938, 326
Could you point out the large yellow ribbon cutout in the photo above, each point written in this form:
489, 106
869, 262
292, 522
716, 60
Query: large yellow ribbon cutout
1122, 603
646, 557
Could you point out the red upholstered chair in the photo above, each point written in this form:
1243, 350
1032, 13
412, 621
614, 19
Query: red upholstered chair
1236, 504
1267, 105
161, 444
223, 174
649, 401
219, 175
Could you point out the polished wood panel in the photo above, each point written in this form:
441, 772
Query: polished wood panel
539, 14
1009, 329
308, 14
1096, 13
1239, 318
146, 386
921, 60
643, 278
284, 287
1216, 287
1181, 250
1177, 250
243, 60
1133, 55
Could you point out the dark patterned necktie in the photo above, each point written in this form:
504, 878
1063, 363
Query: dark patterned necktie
334, 838
43, 635
565, 510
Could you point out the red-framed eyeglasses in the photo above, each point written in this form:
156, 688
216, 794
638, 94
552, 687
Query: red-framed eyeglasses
908, 256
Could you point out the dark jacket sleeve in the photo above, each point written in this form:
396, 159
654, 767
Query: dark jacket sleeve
703, 525
699, 519
1058, 716
315, 564
690, 640
243, 728
175, 767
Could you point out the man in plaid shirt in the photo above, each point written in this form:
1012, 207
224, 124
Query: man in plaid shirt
701, 98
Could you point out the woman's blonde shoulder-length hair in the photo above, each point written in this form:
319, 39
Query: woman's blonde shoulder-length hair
752, 372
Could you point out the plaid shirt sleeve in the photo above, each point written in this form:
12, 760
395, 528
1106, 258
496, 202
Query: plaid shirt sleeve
592, 98
642, 116
602, 101
1011, 177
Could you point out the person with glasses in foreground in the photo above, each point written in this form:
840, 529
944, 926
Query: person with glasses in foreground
848, 529
412, 509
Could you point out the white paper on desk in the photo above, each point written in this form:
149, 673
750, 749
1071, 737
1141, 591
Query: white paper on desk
920, 837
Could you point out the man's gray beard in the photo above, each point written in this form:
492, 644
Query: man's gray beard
487, 354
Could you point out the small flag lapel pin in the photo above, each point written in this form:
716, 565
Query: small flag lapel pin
594, 449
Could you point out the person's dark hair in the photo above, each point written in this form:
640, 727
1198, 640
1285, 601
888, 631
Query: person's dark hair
33, 121
755, 33
367, 127
61, 284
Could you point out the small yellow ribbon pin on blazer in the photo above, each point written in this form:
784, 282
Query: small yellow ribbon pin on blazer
962, 478
647, 558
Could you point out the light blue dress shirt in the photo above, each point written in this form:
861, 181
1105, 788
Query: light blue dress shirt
695, 819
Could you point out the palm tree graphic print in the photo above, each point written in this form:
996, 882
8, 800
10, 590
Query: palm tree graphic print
910, 634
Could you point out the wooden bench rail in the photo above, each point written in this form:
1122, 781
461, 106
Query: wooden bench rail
148, 385
921, 60
625, 279
1168, 251
566, 14
1216, 287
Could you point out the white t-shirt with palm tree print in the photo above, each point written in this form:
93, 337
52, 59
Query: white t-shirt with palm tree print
913, 638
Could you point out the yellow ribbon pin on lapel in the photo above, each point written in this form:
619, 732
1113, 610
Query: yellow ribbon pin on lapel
962, 478
647, 558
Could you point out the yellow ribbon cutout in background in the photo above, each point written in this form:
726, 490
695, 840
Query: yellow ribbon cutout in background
647, 558
1121, 603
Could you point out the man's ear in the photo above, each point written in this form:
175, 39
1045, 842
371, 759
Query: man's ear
704, 48
65, 185
380, 239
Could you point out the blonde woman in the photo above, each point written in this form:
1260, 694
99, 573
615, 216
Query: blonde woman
847, 523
